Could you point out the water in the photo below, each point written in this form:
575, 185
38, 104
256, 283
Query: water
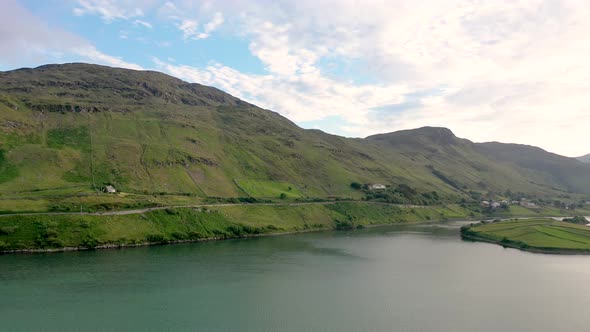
412, 278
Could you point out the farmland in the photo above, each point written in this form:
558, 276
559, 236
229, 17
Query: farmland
537, 235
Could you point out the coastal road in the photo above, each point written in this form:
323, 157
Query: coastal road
144, 210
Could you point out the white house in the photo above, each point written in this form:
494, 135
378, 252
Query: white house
377, 186
110, 189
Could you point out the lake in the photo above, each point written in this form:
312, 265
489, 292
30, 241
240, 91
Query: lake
402, 278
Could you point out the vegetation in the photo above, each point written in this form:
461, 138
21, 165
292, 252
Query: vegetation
265, 188
403, 194
539, 235
577, 220
43, 232
66, 131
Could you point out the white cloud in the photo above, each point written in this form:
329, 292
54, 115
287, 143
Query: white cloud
509, 70
90, 53
212, 25
27, 38
296, 97
109, 10
143, 23
189, 28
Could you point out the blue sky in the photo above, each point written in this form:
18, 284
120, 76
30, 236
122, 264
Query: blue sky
511, 71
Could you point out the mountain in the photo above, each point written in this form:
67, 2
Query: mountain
584, 159
68, 130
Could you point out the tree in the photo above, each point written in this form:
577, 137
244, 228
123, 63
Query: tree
283, 196
356, 185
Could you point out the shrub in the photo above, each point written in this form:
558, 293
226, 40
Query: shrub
7, 230
344, 225
156, 238
178, 236
89, 242
356, 185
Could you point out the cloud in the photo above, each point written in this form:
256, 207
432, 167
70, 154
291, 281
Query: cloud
26, 38
305, 98
212, 25
93, 55
108, 10
189, 28
514, 71
509, 70
186, 21
143, 23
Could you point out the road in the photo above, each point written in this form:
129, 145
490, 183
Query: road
144, 210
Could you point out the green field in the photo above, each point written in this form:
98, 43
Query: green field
542, 235
269, 189
66, 131
28, 232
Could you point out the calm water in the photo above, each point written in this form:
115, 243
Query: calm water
383, 279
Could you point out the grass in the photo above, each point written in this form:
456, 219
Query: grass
546, 235
150, 133
7, 170
178, 224
67, 130
269, 189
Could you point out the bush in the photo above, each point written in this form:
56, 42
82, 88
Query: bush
356, 185
171, 211
7, 230
178, 236
283, 196
89, 242
195, 235
577, 220
344, 225
156, 238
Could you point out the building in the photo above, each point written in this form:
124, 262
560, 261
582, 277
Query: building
109, 189
377, 186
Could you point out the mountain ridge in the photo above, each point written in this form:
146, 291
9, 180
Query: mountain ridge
146, 132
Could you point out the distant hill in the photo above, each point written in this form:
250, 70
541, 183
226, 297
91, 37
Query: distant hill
71, 129
585, 159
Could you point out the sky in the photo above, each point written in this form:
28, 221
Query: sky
511, 71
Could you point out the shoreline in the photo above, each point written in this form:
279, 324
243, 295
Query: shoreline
333, 227
173, 242
534, 250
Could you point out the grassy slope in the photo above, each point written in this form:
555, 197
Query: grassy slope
57, 231
66, 130
534, 234
488, 166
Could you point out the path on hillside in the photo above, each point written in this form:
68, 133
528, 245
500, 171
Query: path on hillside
144, 210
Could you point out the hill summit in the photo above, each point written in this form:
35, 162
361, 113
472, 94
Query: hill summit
72, 129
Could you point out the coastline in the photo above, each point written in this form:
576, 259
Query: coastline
173, 242
535, 250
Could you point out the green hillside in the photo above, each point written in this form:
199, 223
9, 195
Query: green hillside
539, 235
488, 167
560, 172
67, 131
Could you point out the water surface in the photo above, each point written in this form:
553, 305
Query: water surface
411, 278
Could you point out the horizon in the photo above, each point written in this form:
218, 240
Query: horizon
487, 72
